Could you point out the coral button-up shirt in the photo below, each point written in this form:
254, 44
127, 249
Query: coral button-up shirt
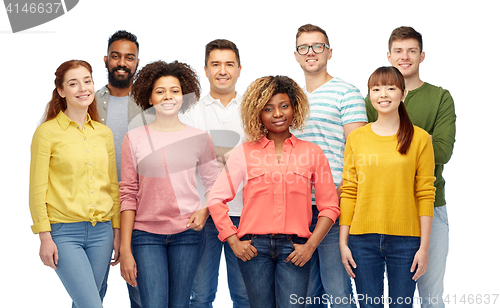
276, 194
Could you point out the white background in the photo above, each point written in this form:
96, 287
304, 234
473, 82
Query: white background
461, 45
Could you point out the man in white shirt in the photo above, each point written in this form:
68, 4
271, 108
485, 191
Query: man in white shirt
219, 114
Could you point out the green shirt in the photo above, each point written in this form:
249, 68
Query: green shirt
432, 109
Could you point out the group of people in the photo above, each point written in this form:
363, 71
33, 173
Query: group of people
291, 183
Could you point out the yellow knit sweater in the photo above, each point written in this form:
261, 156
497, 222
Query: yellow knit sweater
384, 191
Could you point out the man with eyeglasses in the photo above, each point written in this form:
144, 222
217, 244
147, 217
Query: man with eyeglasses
336, 109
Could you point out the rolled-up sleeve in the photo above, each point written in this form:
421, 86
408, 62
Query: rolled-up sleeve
326, 195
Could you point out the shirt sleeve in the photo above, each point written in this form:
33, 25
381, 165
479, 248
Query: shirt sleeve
443, 135
129, 185
324, 187
224, 190
208, 169
113, 177
39, 177
371, 113
353, 107
424, 179
350, 187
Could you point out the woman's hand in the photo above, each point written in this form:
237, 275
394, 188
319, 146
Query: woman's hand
347, 260
128, 268
345, 251
420, 262
48, 250
198, 219
116, 246
301, 254
242, 249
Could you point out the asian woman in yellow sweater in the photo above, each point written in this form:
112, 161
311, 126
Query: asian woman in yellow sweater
387, 200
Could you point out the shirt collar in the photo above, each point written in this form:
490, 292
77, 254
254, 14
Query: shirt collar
264, 142
105, 90
64, 121
208, 100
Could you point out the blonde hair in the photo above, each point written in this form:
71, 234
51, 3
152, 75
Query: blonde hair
259, 93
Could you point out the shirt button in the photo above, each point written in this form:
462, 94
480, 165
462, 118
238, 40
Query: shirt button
88, 151
91, 191
91, 178
90, 164
84, 139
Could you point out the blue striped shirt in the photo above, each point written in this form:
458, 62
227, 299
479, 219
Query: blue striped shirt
332, 105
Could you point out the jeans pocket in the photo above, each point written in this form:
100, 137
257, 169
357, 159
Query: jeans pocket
441, 213
56, 227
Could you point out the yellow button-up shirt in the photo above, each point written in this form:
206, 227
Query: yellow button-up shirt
73, 174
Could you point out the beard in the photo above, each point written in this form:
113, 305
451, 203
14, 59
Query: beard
121, 83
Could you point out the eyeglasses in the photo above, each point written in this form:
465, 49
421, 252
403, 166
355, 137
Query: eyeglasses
317, 48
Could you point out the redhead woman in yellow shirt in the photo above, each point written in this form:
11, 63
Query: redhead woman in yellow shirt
387, 200
73, 197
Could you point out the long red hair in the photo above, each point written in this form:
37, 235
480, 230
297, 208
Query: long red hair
57, 103
389, 75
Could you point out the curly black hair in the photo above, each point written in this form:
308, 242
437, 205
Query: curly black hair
149, 74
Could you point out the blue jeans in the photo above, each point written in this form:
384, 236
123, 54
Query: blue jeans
373, 253
270, 281
207, 276
84, 255
430, 285
166, 265
329, 281
133, 293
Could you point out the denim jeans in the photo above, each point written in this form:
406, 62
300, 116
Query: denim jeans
84, 255
166, 265
329, 279
270, 281
430, 285
133, 292
207, 275
373, 253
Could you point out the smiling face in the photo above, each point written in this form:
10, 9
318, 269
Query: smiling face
166, 96
406, 56
222, 71
313, 62
386, 99
77, 88
277, 115
121, 63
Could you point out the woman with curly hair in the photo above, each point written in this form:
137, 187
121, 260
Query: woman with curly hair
162, 217
73, 193
273, 241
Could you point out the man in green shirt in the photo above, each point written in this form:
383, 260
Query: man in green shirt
432, 109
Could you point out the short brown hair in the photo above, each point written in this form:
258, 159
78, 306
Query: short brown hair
404, 33
311, 28
149, 74
222, 45
260, 92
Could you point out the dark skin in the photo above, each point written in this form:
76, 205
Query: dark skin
277, 117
